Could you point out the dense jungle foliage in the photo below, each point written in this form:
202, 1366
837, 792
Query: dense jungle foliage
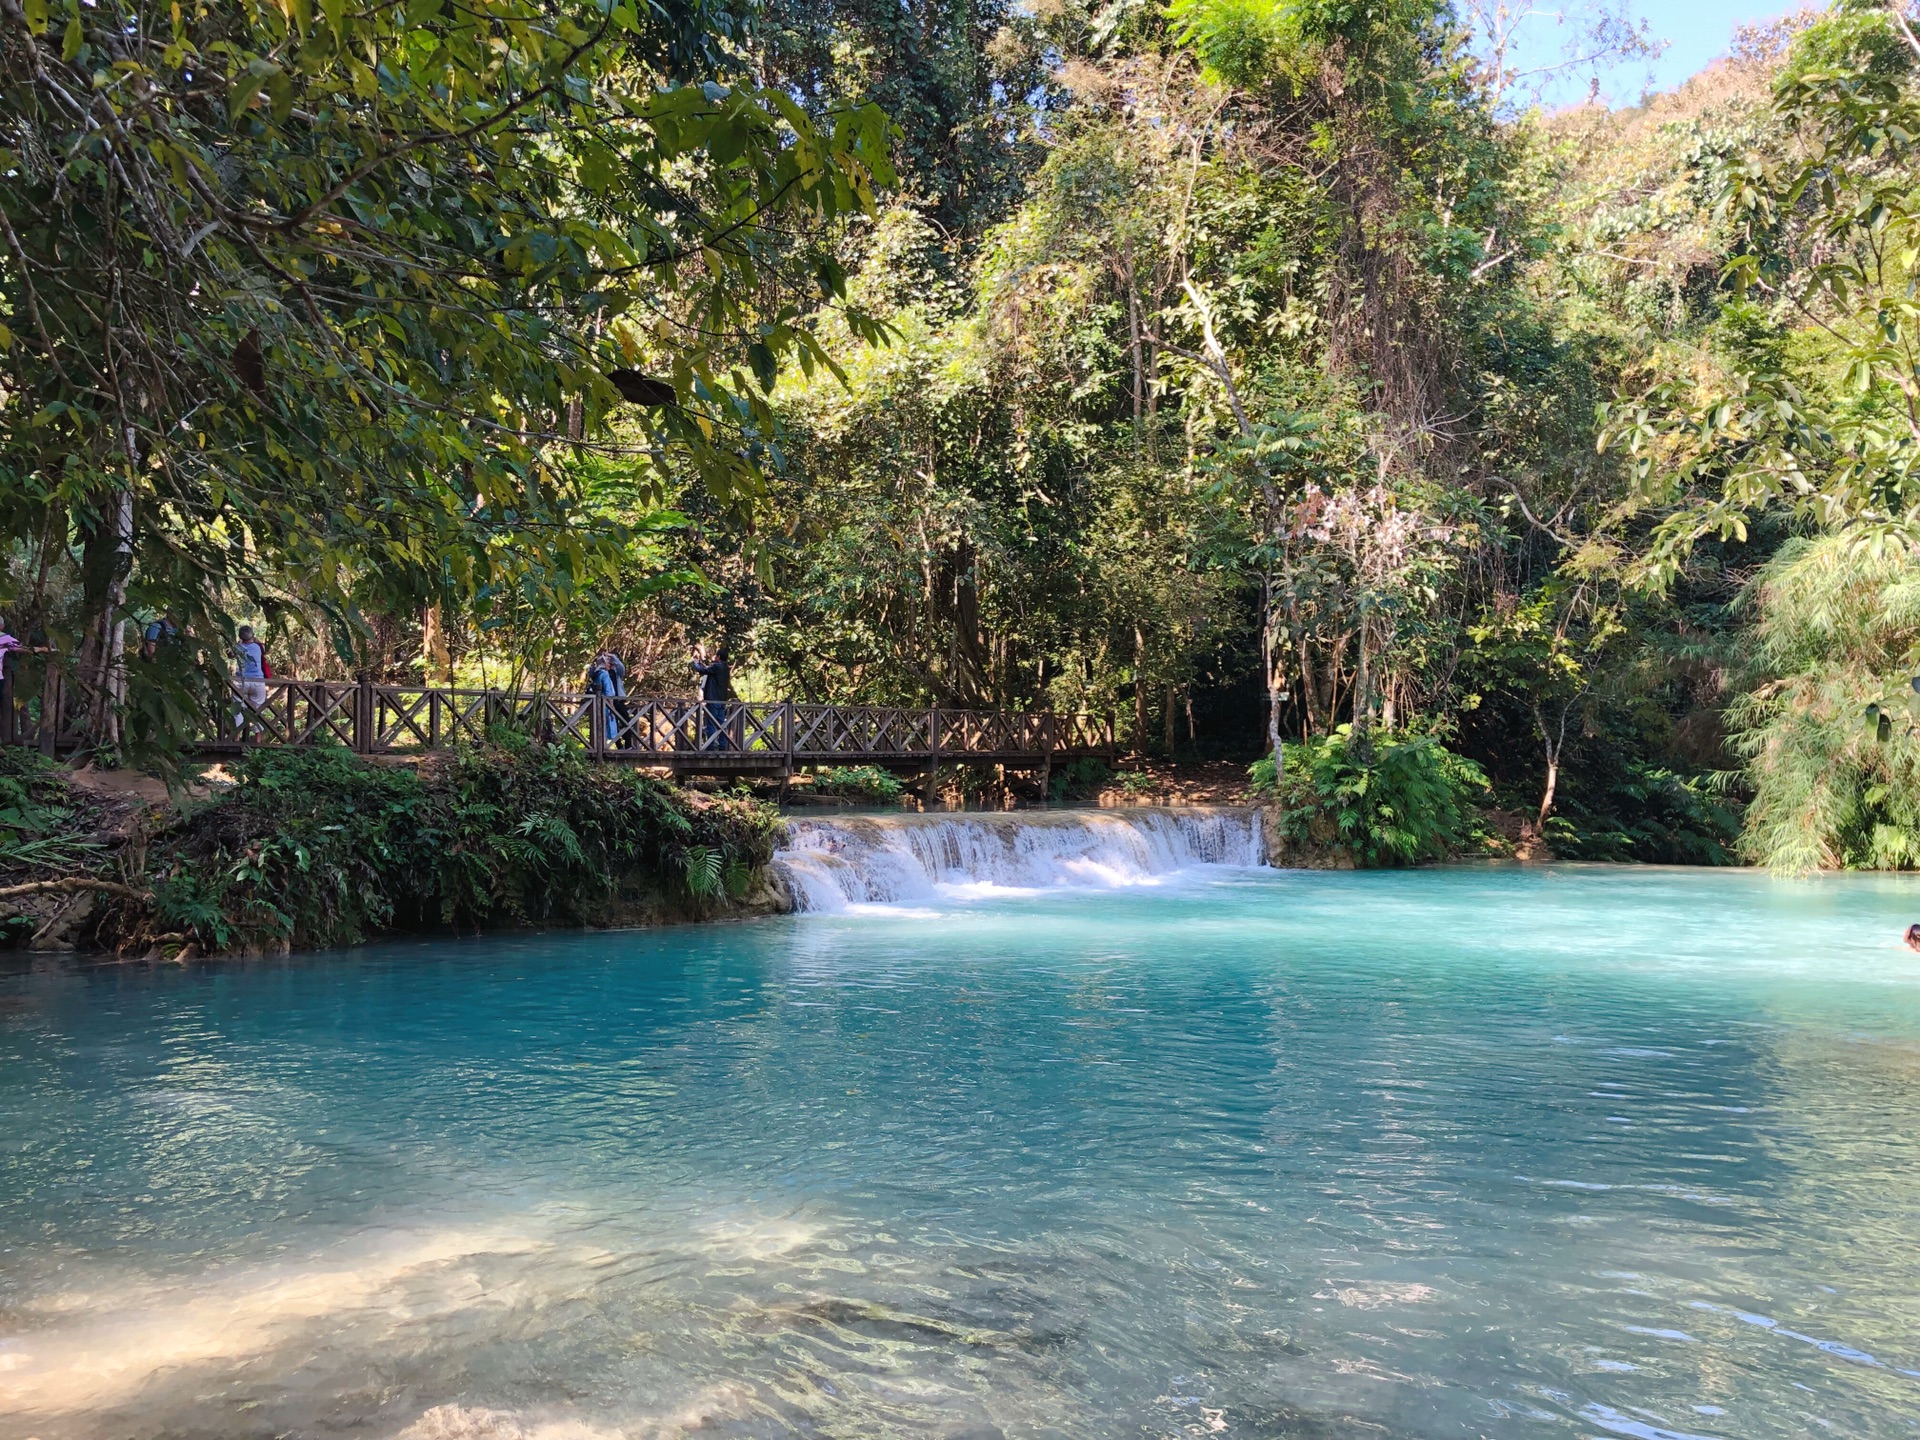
1270, 373
314, 849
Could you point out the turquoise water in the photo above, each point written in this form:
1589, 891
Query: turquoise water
1473, 1152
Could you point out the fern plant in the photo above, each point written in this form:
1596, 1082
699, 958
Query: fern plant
1412, 801
39, 824
703, 867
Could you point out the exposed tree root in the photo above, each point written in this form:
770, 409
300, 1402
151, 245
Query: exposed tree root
72, 885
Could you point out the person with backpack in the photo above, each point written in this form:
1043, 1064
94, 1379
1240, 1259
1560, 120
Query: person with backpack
160, 633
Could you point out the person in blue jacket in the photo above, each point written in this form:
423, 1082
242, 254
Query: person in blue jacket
622, 724
600, 682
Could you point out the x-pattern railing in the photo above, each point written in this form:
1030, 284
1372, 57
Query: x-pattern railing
401, 719
855, 730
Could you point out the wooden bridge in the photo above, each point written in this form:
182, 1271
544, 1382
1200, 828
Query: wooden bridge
687, 736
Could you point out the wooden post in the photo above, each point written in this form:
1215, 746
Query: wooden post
933, 754
1046, 761
597, 717
363, 715
786, 743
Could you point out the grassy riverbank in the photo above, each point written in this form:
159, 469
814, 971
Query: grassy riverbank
305, 850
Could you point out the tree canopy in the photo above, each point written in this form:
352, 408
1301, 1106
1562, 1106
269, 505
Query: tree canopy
1266, 372
336, 295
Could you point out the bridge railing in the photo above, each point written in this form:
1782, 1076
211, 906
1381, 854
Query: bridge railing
375, 719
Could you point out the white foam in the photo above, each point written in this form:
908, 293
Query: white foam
847, 862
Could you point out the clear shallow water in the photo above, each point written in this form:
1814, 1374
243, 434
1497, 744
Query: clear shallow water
1496, 1153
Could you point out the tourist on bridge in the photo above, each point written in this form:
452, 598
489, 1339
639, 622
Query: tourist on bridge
716, 683
617, 671
160, 632
11, 645
250, 679
600, 681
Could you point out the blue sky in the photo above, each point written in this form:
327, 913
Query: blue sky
1697, 31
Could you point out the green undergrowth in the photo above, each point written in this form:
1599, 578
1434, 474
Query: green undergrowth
1078, 779
43, 820
46, 831
1411, 800
320, 848
867, 784
1419, 801
1646, 813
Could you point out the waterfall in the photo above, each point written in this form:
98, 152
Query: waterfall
830, 863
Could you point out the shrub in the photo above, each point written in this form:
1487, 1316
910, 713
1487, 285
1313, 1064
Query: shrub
1648, 812
1832, 756
1085, 776
319, 847
1263, 777
866, 783
1413, 801
45, 830
42, 818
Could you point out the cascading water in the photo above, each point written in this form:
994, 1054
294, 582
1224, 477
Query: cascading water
830, 863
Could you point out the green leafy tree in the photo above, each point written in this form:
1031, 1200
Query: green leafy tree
1806, 394
959, 78
296, 295
1550, 650
1831, 752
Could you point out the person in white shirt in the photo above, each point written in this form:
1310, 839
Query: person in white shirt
250, 678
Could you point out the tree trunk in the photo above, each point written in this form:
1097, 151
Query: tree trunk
1139, 387
1139, 691
436, 657
1335, 669
1272, 658
103, 667
1546, 795
1274, 746
1309, 691
1360, 744
1551, 746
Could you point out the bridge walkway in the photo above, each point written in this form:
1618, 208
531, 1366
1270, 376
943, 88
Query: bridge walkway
686, 736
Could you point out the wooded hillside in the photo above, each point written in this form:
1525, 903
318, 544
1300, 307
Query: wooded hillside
1270, 374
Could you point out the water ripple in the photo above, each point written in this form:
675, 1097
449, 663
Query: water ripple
1474, 1153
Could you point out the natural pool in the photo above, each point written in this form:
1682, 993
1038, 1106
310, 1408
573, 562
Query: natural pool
1466, 1152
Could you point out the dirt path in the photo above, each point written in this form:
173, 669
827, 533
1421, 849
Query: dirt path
1215, 782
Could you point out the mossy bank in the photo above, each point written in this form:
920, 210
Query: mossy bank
316, 849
